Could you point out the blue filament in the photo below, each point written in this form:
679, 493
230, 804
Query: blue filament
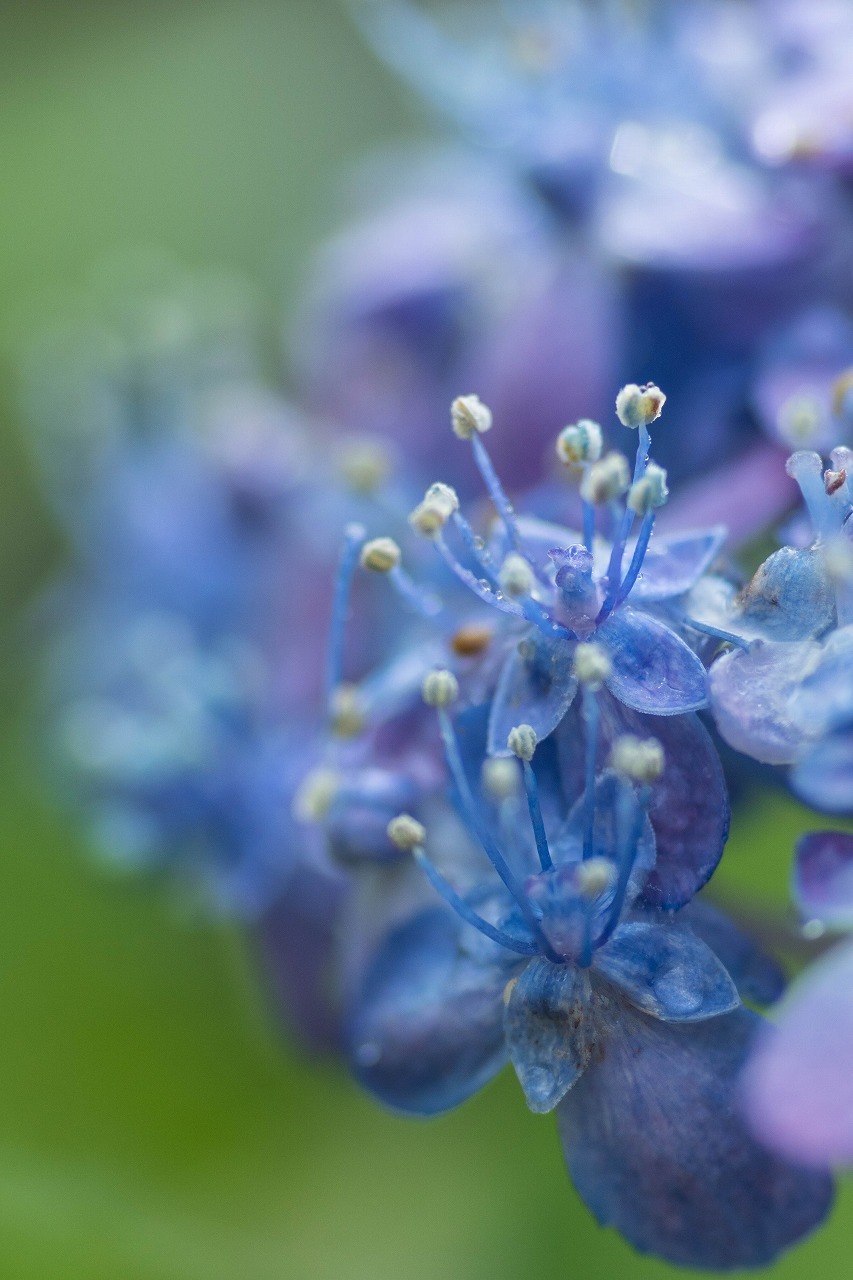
354, 536
467, 912
532, 788
591, 717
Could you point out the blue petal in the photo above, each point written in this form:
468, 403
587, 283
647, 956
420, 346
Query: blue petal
751, 698
653, 670
536, 687
823, 877
657, 1148
824, 700
548, 1030
824, 776
790, 596
756, 974
689, 811
673, 564
426, 1031
667, 971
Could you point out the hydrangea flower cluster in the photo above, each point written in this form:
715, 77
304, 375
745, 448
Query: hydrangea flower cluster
576, 233
540, 767
488, 846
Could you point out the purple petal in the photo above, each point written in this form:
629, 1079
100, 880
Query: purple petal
536, 687
798, 1086
751, 698
657, 1150
751, 493
548, 1028
672, 565
823, 877
756, 974
667, 972
653, 670
427, 1028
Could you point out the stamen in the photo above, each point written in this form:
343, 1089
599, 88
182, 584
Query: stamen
592, 719
472, 815
414, 597
522, 742
636, 560
717, 633
354, 536
578, 446
632, 820
637, 759
409, 835
463, 909
315, 794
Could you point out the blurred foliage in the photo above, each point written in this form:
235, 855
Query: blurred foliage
152, 1125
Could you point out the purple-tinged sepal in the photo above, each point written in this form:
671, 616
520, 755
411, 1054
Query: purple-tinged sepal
667, 972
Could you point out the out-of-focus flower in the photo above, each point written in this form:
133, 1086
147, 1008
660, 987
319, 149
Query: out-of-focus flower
588, 231
797, 1083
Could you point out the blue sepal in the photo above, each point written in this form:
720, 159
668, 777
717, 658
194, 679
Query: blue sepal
754, 972
653, 670
536, 687
426, 1030
673, 565
548, 1031
667, 971
656, 1147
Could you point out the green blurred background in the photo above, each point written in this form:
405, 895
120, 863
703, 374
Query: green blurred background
153, 1126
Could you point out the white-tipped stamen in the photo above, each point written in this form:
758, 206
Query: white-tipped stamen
606, 479
346, 711
380, 555
595, 876
516, 576
406, 832
315, 794
365, 465
592, 665
522, 741
440, 688
432, 514
648, 492
638, 759
580, 443
468, 414
639, 406
500, 778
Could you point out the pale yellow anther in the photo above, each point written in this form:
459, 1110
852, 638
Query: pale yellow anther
468, 414
440, 688
516, 576
406, 832
315, 794
522, 741
380, 555
500, 777
347, 711
595, 876
639, 406
579, 443
638, 759
591, 664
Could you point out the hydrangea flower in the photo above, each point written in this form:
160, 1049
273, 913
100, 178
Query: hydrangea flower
611, 1013
797, 1086
562, 952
